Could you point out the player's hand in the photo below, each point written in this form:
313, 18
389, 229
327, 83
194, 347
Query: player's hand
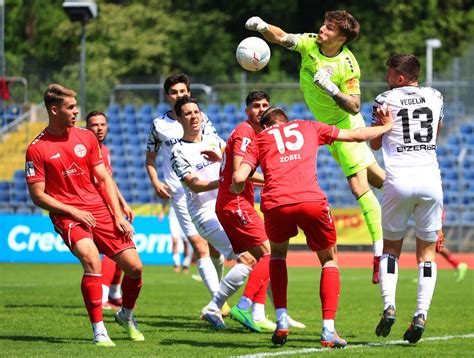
256, 24
211, 155
84, 217
384, 115
162, 190
128, 213
124, 227
322, 79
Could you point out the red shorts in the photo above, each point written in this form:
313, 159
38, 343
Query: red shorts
313, 217
107, 238
244, 227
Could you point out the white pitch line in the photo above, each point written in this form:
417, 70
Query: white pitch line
375, 344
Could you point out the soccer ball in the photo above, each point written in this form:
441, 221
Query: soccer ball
253, 54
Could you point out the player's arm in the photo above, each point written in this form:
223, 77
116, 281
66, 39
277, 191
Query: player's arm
197, 185
347, 102
161, 189
272, 34
256, 178
376, 143
47, 202
362, 134
101, 173
239, 177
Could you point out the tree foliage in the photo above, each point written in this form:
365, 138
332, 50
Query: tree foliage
137, 41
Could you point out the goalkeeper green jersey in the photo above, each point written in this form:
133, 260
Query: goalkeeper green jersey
344, 70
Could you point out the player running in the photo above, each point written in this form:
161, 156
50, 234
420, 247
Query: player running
111, 273
287, 152
61, 164
329, 79
412, 187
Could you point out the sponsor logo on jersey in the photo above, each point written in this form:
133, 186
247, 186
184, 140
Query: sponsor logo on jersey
245, 142
172, 141
80, 150
352, 84
74, 169
416, 148
30, 169
56, 156
202, 165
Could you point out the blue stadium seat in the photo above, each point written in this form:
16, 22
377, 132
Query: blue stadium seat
19, 175
129, 109
113, 110
212, 109
6, 209
20, 196
4, 196
162, 108
453, 140
283, 106
230, 108
146, 109
14, 111
467, 129
114, 130
4, 185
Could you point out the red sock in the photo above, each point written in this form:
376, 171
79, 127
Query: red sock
108, 270
117, 275
130, 290
329, 290
257, 279
91, 288
279, 280
450, 258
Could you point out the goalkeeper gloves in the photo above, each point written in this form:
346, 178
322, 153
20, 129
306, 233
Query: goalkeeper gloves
256, 24
322, 79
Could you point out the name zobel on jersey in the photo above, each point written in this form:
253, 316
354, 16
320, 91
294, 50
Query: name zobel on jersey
416, 148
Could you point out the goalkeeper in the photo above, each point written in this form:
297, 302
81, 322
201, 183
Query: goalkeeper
329, 79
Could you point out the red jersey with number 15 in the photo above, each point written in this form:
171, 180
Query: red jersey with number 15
65, 164
287, 155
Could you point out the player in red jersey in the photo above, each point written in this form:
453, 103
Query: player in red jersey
291, 198
96, 122
240, 220
61, 164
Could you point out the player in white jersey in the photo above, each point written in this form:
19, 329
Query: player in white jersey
201, 179
412, 186
165, 132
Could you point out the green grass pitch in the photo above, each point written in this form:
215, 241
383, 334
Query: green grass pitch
42, 314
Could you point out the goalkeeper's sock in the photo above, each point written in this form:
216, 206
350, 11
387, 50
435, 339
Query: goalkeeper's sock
372, 214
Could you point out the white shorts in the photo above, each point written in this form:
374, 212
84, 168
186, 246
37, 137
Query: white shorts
421, 197
175, 228
178, 201
212, 231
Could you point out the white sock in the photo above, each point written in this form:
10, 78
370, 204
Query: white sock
126, 313
219, 265
115, 291
258, 312
427, 273
208, 273
105, 293
234, 279
99, 327
280, 312
388, 279
177, 259
329, 324
187, 260
378, 247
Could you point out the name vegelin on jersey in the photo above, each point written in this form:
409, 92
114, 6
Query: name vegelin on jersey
416, 148
411, 101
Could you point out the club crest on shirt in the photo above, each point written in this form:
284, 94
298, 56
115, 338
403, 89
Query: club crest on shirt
80, 150
30, 169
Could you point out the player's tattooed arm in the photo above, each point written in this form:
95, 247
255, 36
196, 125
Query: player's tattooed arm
347, 102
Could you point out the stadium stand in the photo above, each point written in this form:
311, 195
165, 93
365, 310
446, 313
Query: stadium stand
129, 129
